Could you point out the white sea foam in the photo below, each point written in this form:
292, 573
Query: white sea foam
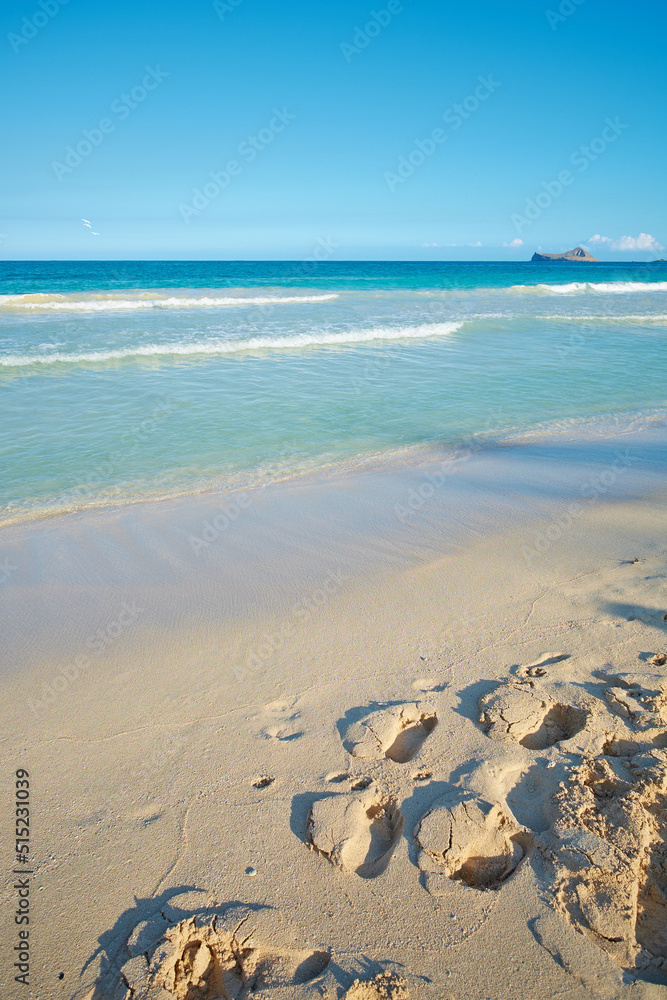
108, 303
213, 347
657, 318
606, 287
582, 317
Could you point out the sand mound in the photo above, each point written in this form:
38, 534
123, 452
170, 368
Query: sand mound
640, 700
610, 856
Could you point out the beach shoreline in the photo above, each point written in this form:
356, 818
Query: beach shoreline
182, 707
206, 383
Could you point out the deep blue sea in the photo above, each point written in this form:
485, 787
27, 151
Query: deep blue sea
128, 380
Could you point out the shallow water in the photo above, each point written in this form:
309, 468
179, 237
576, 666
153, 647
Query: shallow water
135, 380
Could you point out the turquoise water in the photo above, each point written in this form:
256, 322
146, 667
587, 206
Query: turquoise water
129, 380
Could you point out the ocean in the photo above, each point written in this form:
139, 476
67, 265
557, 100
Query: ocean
123, 381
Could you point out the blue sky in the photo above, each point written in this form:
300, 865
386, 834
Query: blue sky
344, 98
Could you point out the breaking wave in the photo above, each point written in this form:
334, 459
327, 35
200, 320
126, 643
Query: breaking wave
607, 287
213, 347
110, 303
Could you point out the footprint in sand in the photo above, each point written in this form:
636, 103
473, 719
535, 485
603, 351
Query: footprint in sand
384, 986
622, 746
471, 841
608, 849
425, 684
281, 721
640, 699
515, 712
359, 784
263, 781
197, 959
397, 733
356, 833
539, 667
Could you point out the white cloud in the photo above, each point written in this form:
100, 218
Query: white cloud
478, 244
516, 242
642, 242
430, 244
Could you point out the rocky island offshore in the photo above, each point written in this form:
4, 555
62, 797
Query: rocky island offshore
578, 254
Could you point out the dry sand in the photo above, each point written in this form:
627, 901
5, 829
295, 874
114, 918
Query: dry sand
429, 764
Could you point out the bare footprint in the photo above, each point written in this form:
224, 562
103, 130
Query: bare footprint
384, 986
356, 833
425, 684
539, 667
560, 723
397, 733
359, 784
196, 959
516, 712
621, 746
281, 721
471, 840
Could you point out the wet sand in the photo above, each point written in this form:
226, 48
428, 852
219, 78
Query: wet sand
403, 720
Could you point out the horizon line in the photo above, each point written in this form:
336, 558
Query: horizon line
299, 260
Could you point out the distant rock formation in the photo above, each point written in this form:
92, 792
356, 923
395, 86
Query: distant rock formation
578, 254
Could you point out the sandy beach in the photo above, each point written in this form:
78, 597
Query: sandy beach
333, 501
405, 727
